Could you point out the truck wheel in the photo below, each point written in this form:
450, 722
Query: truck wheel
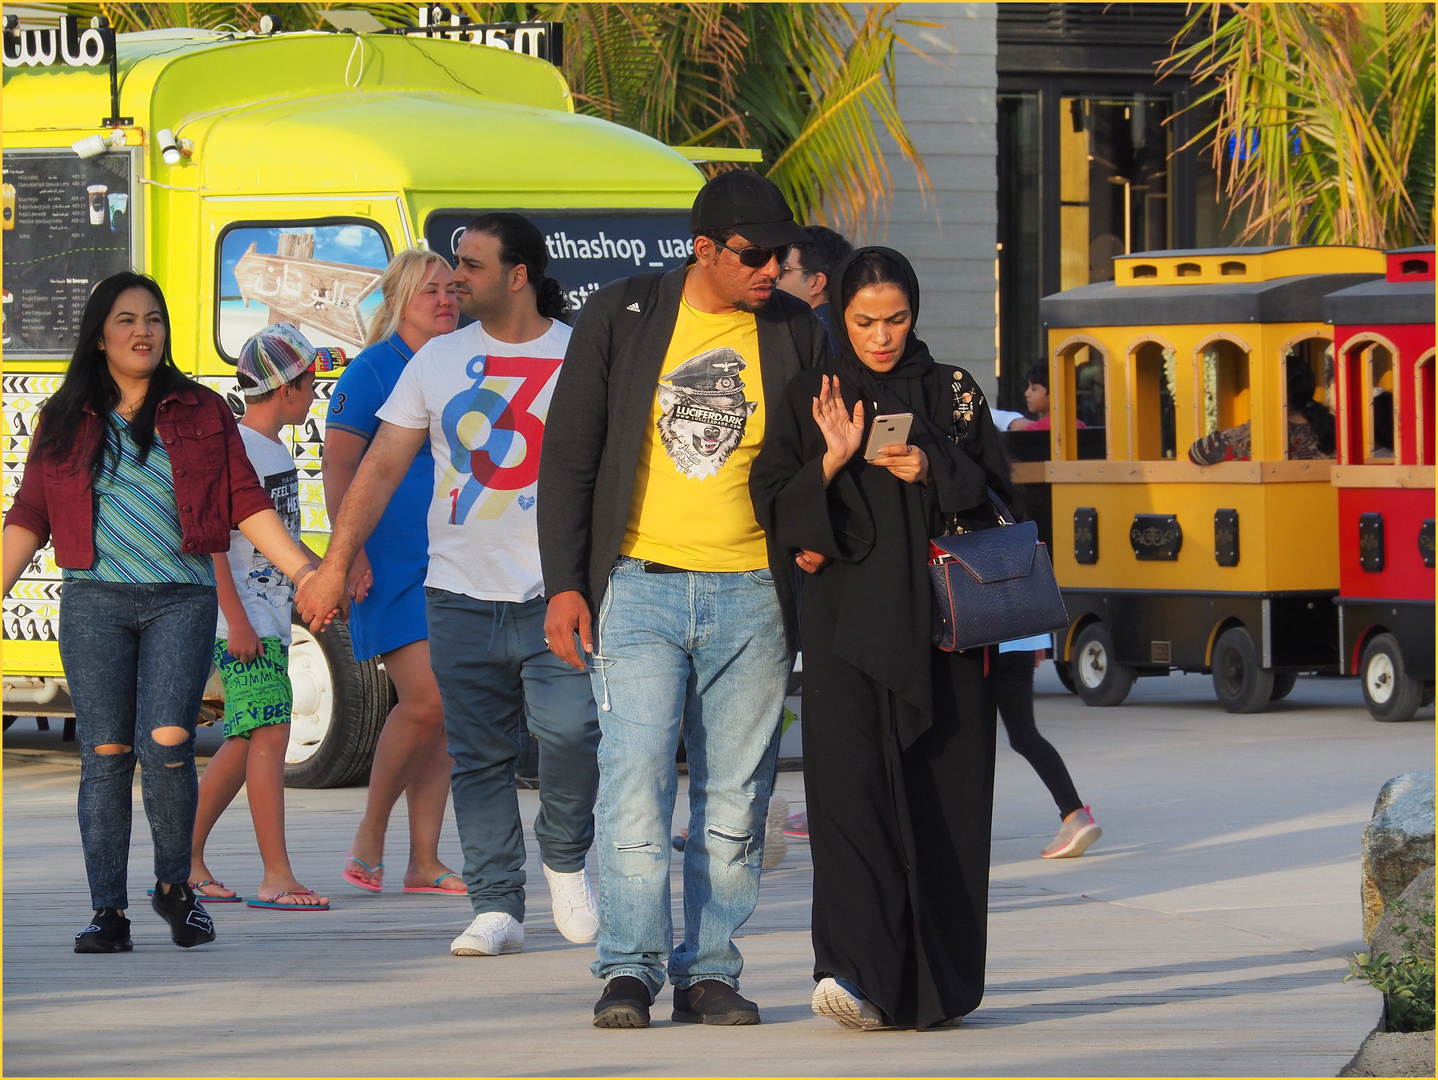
1283, 684
340, 707
1099, 679
1240, 684
1388, 692
1065, 674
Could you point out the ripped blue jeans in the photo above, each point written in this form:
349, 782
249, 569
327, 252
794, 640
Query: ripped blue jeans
705, 650
136, 658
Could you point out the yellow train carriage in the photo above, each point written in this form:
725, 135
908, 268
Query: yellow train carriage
1229, 568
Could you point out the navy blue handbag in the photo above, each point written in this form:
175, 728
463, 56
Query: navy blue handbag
993, 585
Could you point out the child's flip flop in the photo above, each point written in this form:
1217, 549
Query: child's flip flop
275, 904
433, 887
359, 882
206, 897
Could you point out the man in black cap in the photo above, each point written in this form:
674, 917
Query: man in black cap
661, 582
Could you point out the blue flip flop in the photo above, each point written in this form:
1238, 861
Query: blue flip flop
275, 905
433, 887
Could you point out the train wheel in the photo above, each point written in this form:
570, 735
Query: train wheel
1283, 684
1065, 672
1099, 679
1387, 690
1239, 682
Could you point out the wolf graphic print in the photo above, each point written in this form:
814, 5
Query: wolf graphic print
703, 411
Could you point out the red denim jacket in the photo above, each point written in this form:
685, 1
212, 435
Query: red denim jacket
215, 485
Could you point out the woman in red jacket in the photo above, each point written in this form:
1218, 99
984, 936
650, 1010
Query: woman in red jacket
137, 474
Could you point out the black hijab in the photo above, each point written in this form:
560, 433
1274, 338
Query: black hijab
883, 626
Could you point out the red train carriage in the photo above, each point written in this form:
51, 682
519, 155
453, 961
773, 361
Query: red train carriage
1383, 338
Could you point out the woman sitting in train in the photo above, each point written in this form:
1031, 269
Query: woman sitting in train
1311, 430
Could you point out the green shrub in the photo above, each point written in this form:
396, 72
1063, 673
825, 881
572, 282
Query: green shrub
1407, 982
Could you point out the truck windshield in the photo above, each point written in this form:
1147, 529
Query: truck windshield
588, 250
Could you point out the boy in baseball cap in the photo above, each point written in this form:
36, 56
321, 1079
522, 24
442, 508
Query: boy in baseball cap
276, 372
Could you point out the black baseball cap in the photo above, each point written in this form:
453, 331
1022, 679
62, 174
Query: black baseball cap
748, 203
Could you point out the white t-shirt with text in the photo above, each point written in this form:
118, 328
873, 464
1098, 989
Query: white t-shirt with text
485, 403
265, 593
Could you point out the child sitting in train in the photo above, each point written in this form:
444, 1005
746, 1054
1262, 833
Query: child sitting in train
1311, 430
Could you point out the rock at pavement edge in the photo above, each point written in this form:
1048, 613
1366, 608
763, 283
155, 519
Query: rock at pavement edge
1397, 843
1418, 915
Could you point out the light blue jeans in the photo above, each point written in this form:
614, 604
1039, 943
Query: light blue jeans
706, 649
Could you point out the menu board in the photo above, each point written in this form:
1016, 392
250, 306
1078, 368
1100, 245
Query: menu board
67, 226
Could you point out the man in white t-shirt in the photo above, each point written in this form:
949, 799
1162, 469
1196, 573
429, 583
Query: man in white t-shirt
481, 397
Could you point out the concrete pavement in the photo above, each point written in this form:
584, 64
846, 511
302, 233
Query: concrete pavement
1206, 933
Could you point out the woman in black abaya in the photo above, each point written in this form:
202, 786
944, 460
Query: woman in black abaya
898, 736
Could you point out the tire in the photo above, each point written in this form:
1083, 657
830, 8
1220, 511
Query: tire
1099, 679
1283, 684
1065, 674
1239, 683
1390, 694
340, 707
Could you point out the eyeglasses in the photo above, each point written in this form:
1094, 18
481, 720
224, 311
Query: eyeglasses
756, 258
794, 270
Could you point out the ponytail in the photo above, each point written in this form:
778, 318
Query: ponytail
521, 242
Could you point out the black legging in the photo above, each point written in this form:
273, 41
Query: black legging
1016, 709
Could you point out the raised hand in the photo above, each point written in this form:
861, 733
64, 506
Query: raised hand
842, 433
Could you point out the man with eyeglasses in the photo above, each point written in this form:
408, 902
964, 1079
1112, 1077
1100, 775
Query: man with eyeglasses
660, 581
806, 271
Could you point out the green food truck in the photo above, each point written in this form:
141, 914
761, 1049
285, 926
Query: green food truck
270, 178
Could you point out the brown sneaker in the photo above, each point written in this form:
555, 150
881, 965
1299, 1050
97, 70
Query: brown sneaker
1078, 831
710, 1001
624, 1004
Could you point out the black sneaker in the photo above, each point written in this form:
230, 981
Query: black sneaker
624, 1004
710, 1001
109, 931
190, 923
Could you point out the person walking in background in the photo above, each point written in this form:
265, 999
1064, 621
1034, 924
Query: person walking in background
387, 618
276, 373
807, 267
1015, 684
481, 398
137, 474
648, 527
899, 736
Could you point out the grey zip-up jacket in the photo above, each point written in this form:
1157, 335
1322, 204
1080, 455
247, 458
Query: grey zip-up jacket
600, 415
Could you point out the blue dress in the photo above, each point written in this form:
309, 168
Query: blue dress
392, 614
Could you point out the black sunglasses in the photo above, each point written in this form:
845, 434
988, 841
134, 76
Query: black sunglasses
756, 257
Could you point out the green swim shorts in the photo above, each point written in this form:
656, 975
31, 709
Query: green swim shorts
257, 693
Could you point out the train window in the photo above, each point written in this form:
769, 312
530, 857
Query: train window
1188, 270
1143, 270
1153, 433
1378, 383
1232, 269
1414, 266
1083, 372
1225, 386
1423, 378
1317, 355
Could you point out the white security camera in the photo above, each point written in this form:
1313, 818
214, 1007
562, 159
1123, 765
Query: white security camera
95, 145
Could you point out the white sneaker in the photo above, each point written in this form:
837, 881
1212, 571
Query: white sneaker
572, 900
832, 1000
491, 934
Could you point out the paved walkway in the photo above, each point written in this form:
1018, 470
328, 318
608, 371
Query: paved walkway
1205, 935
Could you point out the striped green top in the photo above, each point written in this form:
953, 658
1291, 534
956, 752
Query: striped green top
137, 521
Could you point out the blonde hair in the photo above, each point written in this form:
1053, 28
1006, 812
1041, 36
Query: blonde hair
406, 275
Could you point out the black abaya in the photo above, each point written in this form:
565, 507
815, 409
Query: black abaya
898, 736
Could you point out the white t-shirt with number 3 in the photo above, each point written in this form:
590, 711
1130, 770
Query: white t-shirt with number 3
485, 403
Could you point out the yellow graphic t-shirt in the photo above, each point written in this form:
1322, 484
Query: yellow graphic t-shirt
691, 506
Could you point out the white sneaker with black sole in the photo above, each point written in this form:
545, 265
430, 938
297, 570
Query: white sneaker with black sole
492, 933
576, 913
